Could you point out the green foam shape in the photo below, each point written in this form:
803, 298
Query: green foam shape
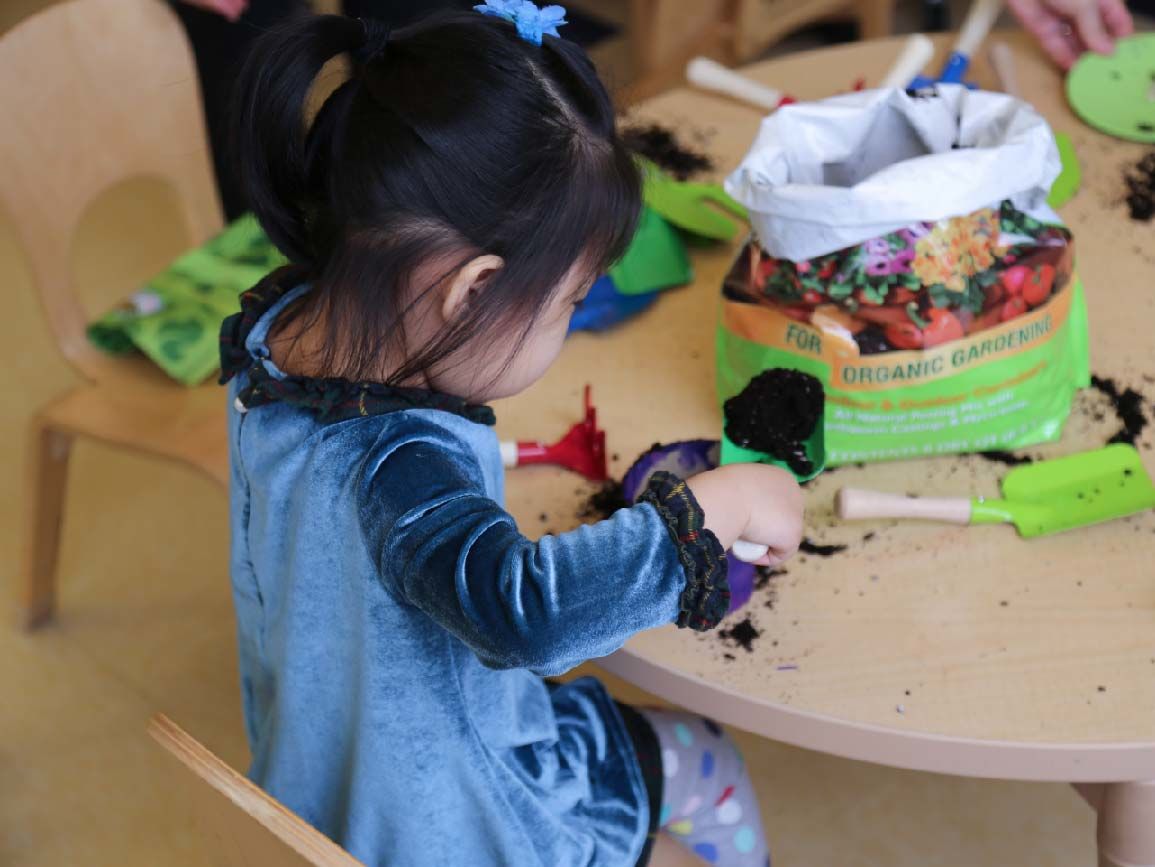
1070, 178
1114, 94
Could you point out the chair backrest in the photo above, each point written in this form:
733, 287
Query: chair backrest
245, 826
93, 93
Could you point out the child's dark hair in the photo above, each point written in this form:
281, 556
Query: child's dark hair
451, 138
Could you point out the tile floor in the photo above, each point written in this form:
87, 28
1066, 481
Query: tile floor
146, 625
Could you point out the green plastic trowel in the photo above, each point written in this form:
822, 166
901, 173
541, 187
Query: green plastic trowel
656, 258
1071, 176
1039, 499
1116, 94
700, 209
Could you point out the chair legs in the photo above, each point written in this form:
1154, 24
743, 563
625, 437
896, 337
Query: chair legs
47, 478
875, 18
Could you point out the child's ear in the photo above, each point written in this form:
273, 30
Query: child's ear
468, 281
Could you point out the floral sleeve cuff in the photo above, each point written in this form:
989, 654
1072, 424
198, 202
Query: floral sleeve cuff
706, 598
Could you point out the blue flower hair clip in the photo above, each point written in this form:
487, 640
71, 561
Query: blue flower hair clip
532, 23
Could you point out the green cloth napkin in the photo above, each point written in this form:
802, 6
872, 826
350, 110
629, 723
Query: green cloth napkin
175, 318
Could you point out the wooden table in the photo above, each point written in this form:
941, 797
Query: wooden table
955, 650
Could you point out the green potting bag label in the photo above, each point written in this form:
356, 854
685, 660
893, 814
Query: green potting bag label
963, 335
904, 253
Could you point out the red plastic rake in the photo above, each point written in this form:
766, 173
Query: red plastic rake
582, 450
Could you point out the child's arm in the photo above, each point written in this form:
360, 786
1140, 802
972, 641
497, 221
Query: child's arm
448, 549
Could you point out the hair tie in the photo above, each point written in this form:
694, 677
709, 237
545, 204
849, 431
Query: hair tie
374, 39
531, 22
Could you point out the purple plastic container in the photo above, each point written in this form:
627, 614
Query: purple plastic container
686, 459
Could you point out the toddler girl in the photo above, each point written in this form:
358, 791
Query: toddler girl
443, 212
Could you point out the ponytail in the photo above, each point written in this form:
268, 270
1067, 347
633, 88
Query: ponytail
451, 136
271, 138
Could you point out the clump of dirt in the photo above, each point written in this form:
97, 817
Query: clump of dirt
1128, 406
763, 575
1008, 458
808, 547
775, 413
743, 634
604, 501
764, 580
1140, 182
661, 146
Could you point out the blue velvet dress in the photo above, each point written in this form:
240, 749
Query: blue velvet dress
394, 624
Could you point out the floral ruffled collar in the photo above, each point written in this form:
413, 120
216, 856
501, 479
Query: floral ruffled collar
331, 399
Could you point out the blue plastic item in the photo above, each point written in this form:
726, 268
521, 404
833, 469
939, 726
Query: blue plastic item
955, 69
953, 72
604, 307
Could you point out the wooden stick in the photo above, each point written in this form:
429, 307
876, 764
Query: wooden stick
710, 75
915, 55
1003, 62
855, 504
979, 21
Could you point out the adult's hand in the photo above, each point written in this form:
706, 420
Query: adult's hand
1067, 28
230, 9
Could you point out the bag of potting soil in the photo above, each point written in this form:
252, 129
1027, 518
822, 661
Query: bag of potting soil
903, 253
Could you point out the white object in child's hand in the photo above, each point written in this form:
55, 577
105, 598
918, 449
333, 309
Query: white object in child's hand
915, 55
709, 75
749, 552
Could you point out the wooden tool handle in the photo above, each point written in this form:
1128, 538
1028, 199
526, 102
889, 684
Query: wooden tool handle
915, 55
1003, 62
979, 21
855, 504
709, 75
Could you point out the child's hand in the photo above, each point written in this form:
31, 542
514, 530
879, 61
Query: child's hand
755, 502
1067, 28
230, 9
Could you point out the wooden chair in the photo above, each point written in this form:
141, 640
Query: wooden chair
761, 23
93, 93
666, 34
245, 826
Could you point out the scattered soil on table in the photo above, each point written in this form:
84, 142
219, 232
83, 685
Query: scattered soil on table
743, 634
763, 575
1128, 406
1140, 181
661, 146
764, 580
1008, 458
604, 501
775, 413
808, 547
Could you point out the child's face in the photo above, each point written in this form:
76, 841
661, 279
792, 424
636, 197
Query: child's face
487, 377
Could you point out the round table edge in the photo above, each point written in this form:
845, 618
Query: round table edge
1076, 762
